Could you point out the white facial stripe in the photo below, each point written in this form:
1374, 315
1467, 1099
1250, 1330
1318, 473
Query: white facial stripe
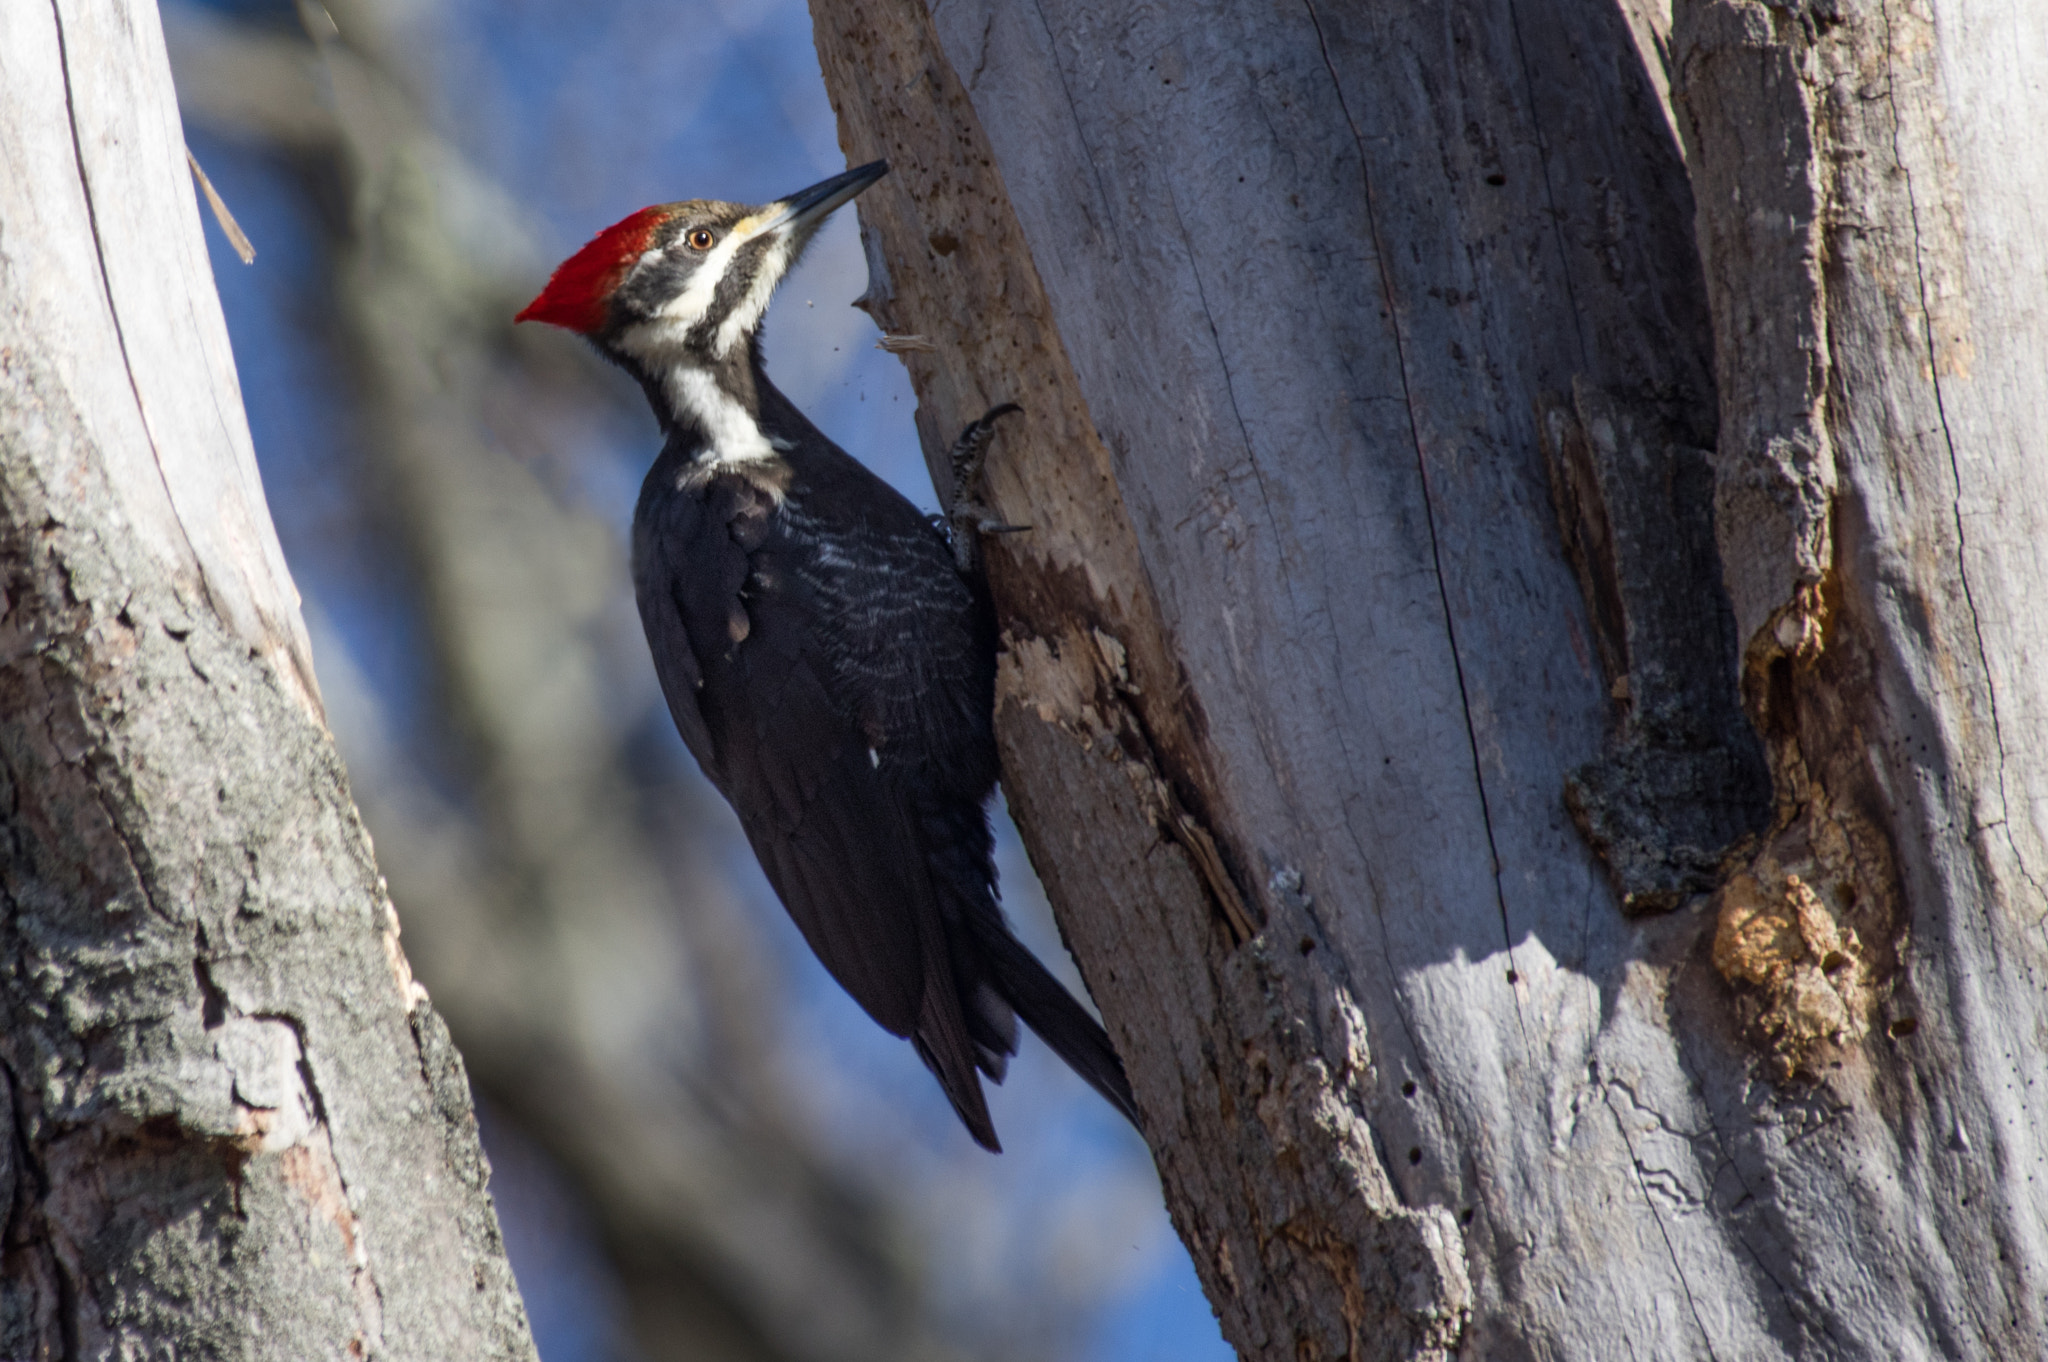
731, 432
744, 317
687, 308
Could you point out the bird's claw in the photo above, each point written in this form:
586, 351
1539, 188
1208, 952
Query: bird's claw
970, 452
967, 518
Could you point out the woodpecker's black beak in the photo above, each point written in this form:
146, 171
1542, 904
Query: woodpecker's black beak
801, 212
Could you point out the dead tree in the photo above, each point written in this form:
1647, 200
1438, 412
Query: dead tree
235, 1126
1520, 683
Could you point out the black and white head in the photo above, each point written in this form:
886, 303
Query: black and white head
680, 288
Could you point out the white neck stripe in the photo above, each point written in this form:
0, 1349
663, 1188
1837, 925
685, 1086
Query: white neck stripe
731, 434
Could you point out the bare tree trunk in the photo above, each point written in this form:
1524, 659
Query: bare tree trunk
235, 1126
1372, 703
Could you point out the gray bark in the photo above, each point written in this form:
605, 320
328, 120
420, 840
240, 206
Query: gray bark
235, 1126
1377, 707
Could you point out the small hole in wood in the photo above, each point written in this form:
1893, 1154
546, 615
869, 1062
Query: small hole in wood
1904, 1026
1307, 945
1415, 1156
1496, 179
1408, 1088
1514, 978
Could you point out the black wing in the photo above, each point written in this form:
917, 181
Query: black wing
747, 632
685, 566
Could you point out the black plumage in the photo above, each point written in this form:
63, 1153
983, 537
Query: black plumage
825, 659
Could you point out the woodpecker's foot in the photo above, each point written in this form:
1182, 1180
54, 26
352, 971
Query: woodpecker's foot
968, 518
970, 452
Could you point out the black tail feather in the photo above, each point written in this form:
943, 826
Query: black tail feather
1053, 1013
964, 1092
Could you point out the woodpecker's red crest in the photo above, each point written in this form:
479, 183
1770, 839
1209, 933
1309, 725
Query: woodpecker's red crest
579, 292
682, 285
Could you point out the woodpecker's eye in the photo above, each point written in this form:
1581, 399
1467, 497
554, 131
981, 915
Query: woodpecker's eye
700, 239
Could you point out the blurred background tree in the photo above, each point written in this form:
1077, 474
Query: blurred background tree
702, 1149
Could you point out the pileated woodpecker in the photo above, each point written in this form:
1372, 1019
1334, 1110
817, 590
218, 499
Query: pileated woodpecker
828, 663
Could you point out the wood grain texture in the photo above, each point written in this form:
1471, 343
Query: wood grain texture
1327, 284
1868, 225
92, 101
1092, 696
1320, 404
235, 1126
1343, 500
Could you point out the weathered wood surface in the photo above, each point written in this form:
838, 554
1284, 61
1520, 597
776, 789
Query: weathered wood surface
236, 1128
1369, 363
1871, 209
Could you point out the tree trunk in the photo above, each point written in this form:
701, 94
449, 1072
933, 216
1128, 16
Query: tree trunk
236, 1127
1430, 507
